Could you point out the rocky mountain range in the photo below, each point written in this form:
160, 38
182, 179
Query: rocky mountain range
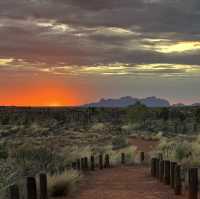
128, 101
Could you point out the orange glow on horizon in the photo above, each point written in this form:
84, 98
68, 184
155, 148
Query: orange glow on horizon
49, 97
41, 94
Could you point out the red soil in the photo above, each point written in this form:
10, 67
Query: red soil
143, 145
124, 183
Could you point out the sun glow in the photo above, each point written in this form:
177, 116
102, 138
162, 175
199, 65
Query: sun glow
179, 47
41, 93
5, 61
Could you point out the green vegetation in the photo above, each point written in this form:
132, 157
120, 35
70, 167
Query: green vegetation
185, 150
49, 140
119, 141
63, 184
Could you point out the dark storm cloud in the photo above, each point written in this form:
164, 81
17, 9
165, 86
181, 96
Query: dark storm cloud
77, 32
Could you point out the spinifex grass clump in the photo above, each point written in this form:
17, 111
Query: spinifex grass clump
63, 184
119, 141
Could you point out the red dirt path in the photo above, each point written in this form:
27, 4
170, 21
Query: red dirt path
129, 182
124, 183
143, 145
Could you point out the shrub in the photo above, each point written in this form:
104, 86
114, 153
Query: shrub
182, 150
119, 142
63, 184
130, 153
3, 151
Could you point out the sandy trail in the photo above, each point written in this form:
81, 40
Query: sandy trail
124, 183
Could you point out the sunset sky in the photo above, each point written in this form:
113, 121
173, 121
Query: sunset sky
71, 52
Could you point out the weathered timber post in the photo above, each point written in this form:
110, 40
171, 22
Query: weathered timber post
172, 173
193, 183
86, 163
107, 161
157, 168
161, 170
82, 164
142, 157
43, 186
74, 166
153, 167
177, 180
14, 192
123, 161
167, 172
31, 188
101, 161
160, 156
78, 162
92, 161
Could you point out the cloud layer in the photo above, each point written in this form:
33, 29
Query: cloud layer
104, 40
100, 32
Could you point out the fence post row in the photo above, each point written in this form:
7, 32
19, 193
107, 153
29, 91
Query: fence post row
31, 188
14, 192
193, 183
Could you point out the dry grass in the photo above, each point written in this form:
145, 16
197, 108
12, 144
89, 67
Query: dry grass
63, 184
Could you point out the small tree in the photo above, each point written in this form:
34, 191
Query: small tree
119, 141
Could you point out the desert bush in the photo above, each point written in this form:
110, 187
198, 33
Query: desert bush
175, 149
115, 155
182, 150
157, 136
98, 126
63, 184
31, 159
3, 151
119, 141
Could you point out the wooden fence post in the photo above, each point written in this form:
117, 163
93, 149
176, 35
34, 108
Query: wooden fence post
157, 168
14, 192
78, 162
193, 183
123, 158
167, 172
31, 188
177, 180
107, 161
86, 163
161, 170
160, 156
74, 166
82, 164
153, 167
142, 157
101, 161
92, 161
43, 186
172, 173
